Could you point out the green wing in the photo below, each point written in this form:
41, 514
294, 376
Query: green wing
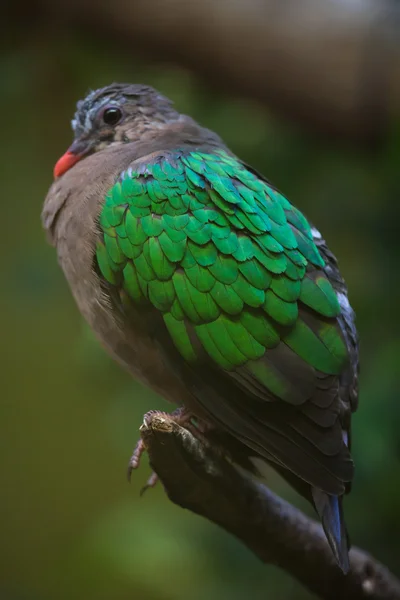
232, 267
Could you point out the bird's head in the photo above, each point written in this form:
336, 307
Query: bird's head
114, 115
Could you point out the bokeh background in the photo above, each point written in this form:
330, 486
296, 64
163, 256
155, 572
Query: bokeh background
70, 525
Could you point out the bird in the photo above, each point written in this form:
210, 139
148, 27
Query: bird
210, 287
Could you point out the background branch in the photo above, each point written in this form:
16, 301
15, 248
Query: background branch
333, 65
197, 478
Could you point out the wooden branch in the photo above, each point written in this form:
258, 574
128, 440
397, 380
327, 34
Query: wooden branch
197, 478
334, 65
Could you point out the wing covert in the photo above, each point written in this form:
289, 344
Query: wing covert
232, 267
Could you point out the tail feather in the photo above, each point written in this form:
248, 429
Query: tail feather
330, 511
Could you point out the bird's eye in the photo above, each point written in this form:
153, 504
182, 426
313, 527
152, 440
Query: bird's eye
112, 115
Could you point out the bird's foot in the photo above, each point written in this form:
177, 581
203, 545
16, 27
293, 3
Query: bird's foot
182, 417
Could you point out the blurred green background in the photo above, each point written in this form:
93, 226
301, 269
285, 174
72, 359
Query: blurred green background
71, 526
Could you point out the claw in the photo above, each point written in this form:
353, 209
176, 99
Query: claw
134, 461
181, 416
150, 483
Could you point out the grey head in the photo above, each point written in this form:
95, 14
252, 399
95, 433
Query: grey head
116, 114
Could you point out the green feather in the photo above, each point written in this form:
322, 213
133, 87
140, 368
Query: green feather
159, 173
119, 230
243, 339
246, 194
139, 211
176, 205
226, 297
114, 210
250, 295
275, 263
281, 199
161, 294
273, 208
284, 235
131, 282
224, 188
217, 167
200, 277
177, 310
205, 215
255, 274
297, 258
252, 223
332, 339
222, 339
295, 217
194, 178
245, 250
205, 255
211, 348
188, 261
225, 269
169, 170
105, 266
197, 165
284, 313
194, 225
220, 203
183, 290
227, 245
179, 335
111, 231
143, 268
116, 194
143, 200
127, 248
143, 285
180, 221
218, 232
202, 196
328, 358
249, 180
260, 328
308, 249
285, 288
294, 272
113, 250
267, 241
173, 250
106, 227
320, 296
188, 201
174, 235
163, 268
152, 225
200, 235
203, 303
134, 229
160, 192
103, 220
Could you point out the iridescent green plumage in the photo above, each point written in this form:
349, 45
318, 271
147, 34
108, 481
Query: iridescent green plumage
218, 251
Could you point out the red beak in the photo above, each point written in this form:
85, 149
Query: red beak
65, 163
75, 152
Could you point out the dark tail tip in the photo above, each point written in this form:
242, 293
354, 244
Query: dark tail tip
330, 511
